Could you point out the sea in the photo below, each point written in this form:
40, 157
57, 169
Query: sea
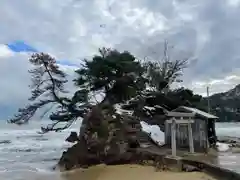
27, 154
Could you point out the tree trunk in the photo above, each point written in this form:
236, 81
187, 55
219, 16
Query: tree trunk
105, 137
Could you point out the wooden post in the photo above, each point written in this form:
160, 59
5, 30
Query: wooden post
173, 136
190, 136
166, 131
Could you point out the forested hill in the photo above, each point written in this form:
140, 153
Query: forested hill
226, 105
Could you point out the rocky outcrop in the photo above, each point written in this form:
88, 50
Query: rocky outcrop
107, 137
233, 141
229, 143
73, 137
111, 134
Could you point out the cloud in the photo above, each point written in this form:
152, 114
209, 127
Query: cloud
216, 85
206, 30
5, 51
15, 79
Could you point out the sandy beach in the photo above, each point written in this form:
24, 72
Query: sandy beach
130, 172
119, 172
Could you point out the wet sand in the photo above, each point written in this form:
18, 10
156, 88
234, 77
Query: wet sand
130, 172
119, 172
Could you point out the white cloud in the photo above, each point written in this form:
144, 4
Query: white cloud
233, 3
5, 51
73, 29
215, 85
14, 80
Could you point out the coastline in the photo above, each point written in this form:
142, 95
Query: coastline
34, 155
171, 167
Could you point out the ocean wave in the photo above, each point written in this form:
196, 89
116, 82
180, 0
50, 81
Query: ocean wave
41, 139
37, 137
228, 163
25, 150
32, 136
5, 141
51, 159
43, 159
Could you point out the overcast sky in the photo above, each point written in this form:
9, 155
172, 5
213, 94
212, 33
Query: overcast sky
207, 31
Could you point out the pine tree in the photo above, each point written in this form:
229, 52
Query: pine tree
106, 85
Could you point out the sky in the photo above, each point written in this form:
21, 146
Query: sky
206, 32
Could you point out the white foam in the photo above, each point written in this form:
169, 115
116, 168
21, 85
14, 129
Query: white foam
222, 147
228, 163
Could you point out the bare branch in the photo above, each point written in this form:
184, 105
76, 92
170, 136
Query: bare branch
164, 72
54, 126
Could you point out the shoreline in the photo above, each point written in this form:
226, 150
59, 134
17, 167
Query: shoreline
120, 172
31, 157
160, 159
130, 172
170, 165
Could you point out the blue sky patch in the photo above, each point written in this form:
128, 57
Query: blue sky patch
20, 46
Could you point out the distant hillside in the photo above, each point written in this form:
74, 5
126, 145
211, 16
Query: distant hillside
226, 105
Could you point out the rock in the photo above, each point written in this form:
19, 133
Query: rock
232, 142
228, 139
5, 142
189, 168
73, 137
107, 138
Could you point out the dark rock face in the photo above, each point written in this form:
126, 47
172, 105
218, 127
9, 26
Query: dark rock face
190, 168
234, 142
73, 137
106, 137
5, 142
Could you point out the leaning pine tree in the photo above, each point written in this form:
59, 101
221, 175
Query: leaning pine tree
106, 84
103, 136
